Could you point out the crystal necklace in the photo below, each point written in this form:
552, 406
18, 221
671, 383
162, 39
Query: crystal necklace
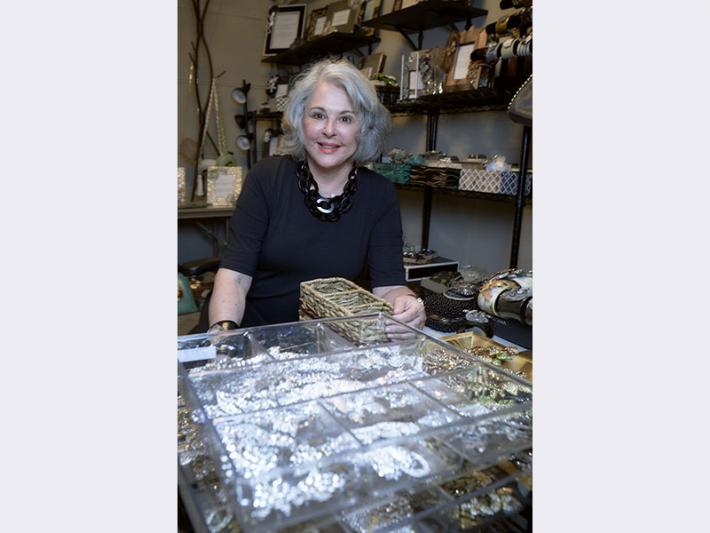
325, 209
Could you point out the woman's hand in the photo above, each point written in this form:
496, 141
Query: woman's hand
407, 309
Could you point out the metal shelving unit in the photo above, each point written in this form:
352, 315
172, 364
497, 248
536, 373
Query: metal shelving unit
429, 14
416, 19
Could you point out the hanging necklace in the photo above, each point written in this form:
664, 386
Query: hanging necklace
325, 209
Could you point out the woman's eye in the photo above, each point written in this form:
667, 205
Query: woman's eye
318, 116
346, 119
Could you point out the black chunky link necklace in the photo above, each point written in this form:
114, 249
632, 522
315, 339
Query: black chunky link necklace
325, 209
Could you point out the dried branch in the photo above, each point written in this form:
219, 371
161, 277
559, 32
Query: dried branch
200, 40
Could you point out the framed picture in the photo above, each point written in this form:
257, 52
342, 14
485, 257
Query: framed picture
341, 17
422, 73
224, 184
480, 72
284, 26
368, 9
458, 58
316, 22
480, 75
372, 65
403, 4
411, 84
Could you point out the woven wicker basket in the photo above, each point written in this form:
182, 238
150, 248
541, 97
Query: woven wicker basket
339, 297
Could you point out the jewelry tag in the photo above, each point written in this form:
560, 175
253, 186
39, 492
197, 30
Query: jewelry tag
197, 354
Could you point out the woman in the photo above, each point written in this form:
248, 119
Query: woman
316, 212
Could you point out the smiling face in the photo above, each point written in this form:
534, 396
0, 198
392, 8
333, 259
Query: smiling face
331, 130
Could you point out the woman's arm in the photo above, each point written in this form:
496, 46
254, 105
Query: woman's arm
247, 229
408, 308
229, 296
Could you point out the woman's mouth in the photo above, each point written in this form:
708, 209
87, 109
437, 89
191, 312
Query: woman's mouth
327, 148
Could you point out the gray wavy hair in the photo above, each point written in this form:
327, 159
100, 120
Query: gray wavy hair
373, 117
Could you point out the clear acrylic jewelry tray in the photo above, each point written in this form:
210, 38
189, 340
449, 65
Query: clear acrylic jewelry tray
308, 426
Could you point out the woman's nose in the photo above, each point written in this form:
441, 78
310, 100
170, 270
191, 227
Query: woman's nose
329, 127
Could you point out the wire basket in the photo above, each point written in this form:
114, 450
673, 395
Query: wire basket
476, 178
339, 297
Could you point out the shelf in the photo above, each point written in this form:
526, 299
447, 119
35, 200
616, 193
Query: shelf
475, 100
472, 99
331, 44
269, 115
425, 15
189, 213
484, 99
459, 102
508, 198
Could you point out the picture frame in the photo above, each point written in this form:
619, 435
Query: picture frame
403, 4
372, 65
406, 66
457, 60
224, 185
341, 17
422, 73
284, 26
317, 22
480, 73
411, 84
368, 9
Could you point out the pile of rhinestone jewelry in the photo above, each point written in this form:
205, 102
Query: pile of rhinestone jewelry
309, 432
201, 472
